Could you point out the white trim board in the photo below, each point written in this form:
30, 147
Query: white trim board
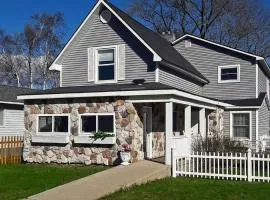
125, 93
156, 57
216, 44
11, 103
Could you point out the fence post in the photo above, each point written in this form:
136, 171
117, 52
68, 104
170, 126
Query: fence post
249, 166
173, 162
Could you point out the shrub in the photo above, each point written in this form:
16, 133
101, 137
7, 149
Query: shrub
217, 143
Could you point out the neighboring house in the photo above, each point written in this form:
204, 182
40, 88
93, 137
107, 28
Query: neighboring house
120, 77
11, 111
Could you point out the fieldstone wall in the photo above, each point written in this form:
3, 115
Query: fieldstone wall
129, 130
216, 119
158, 149
158, 127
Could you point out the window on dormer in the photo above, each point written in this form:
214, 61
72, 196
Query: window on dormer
106, 64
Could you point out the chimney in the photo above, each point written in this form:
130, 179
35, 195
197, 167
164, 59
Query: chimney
170, 36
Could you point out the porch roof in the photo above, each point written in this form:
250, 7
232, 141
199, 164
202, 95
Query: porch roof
252, 102
117, 90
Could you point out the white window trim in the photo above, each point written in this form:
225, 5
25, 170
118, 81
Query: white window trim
116, 60
81, 133
250, 125
228, 67
4, 119
52, 133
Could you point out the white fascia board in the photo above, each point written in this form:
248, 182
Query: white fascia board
241, 107
125, 93
56, 67
156, 57
11, 103
75, 34
216, 44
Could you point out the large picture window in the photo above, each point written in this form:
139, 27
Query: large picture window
106, 64
97, 122
241, 124
230, 73
53, 124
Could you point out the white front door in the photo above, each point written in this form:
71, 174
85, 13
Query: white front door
147, 132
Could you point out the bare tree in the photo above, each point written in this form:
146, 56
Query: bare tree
27, 56
242, 24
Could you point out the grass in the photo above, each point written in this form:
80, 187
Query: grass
193, 189
21, 181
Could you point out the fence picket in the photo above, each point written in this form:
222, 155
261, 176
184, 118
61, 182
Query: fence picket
10, 149
234, 166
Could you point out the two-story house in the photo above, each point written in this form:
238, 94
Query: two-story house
120, 77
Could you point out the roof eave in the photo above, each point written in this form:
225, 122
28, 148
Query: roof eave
195, 77
216, 44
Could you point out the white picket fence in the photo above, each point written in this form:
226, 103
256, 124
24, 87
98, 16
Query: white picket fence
234, 166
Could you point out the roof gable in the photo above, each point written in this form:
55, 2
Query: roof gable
162, 49
261, 61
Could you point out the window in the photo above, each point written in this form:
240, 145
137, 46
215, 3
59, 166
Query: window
106, 65
97, 122
53, 124
241, 124
230, 73
2, 123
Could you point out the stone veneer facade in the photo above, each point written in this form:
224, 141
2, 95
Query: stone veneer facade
129, 130
215, 123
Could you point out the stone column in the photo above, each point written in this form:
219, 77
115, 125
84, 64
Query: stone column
169, 131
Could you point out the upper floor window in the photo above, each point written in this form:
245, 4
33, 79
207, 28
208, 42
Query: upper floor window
106, 64
228, 73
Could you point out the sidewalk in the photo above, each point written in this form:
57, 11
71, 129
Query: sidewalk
106, 182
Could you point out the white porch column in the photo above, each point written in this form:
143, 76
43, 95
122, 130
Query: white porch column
202, 122
188, 120
168, 131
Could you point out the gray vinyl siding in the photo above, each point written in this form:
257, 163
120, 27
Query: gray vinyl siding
263, 120
139, 60
178, 81
207, 59
13, 121
261, 81
226, 123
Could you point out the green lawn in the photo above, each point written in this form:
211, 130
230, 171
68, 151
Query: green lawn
193, 189
20, 181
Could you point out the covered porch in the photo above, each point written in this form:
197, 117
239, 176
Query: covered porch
171, 123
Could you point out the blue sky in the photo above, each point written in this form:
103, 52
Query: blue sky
14, 14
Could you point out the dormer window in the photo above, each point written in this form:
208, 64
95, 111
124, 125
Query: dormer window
106, 64
228, 73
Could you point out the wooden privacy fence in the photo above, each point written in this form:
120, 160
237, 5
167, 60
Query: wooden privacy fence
235, 166
11, 148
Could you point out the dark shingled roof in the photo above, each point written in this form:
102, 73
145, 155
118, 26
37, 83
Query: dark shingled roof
159, 44
101, 88
247, 102
10, 93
